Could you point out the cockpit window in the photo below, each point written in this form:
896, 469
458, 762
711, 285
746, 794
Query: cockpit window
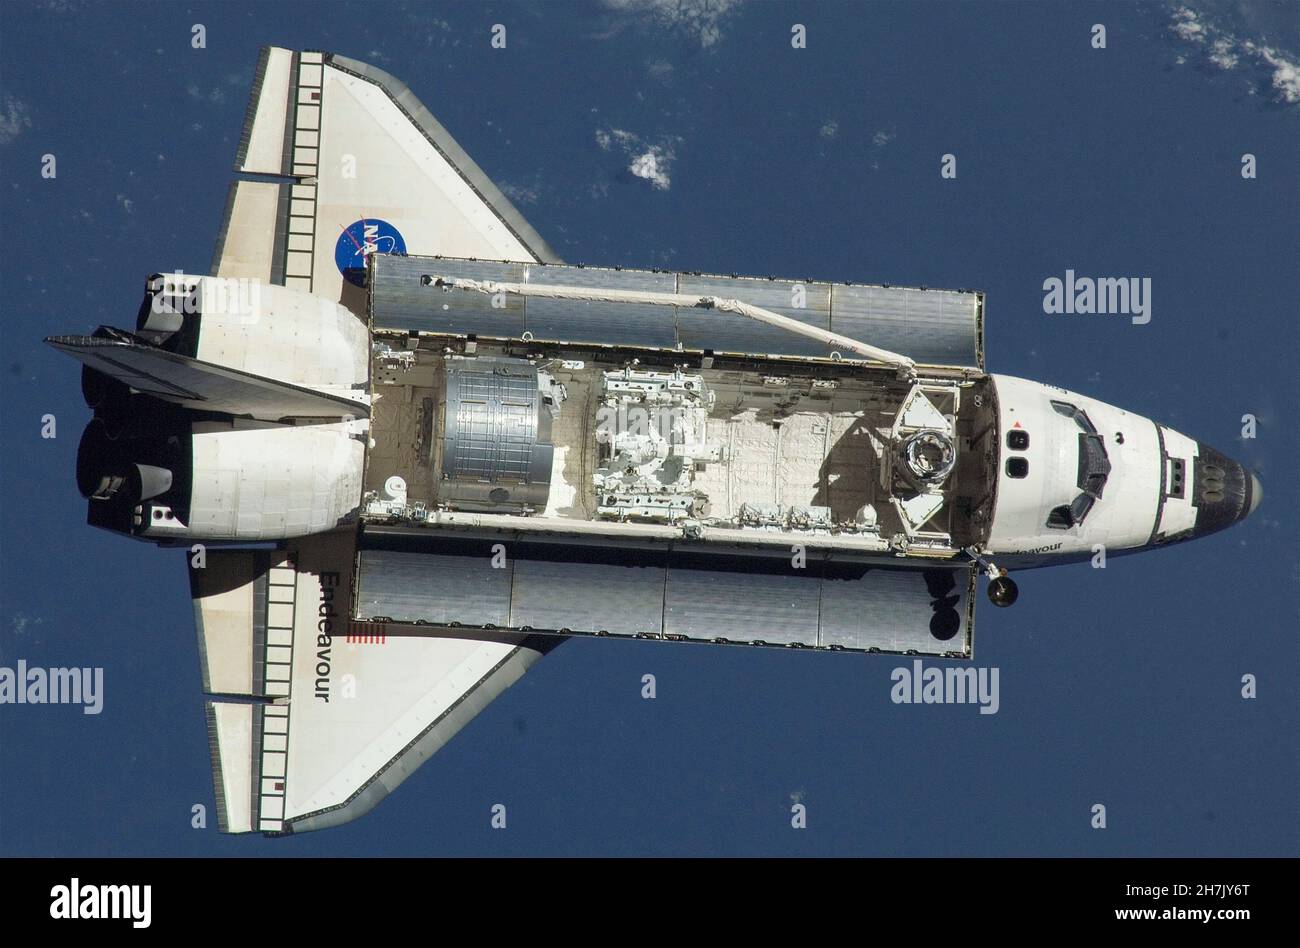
1080, 417
1094, 465
1094, 470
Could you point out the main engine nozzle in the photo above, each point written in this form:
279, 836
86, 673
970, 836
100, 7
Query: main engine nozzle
106, 470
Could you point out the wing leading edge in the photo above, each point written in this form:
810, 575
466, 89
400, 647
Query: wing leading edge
364, 167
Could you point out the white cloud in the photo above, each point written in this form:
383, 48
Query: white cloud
13, 119
882, 138
653, 166
660, 70
606, 138
700, 19
830, 128
1225, 51
1187, 25
1221, 54
651, 161
126, 202
1286, 72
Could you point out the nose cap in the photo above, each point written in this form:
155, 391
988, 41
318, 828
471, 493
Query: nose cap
1224, 492
1256, 494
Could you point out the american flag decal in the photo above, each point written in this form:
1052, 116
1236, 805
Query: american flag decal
367, 633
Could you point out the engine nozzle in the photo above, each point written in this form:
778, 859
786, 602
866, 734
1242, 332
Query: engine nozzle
106, 471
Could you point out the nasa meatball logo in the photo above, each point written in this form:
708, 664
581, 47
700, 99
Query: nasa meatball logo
359, 240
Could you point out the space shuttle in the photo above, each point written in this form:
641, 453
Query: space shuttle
408, 451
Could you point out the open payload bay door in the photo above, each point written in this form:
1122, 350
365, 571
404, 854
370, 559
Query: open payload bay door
930, 326
364, 168
313, 719
673, 591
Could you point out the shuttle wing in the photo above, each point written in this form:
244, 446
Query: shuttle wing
362, 167
252, 241
313, 718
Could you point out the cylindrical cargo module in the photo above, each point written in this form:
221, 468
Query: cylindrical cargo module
491, 447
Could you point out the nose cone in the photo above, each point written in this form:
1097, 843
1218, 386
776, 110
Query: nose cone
1223, 491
